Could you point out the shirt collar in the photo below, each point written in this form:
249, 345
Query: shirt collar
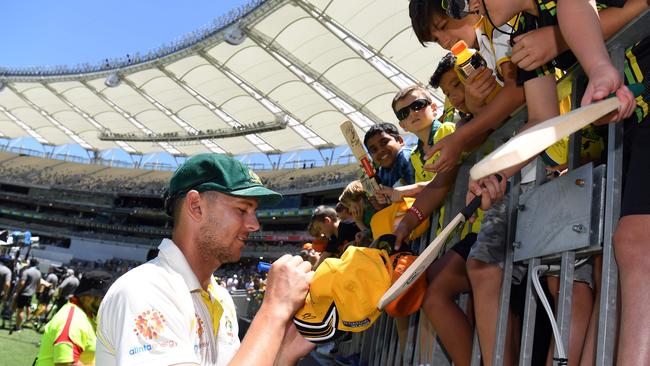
173, 258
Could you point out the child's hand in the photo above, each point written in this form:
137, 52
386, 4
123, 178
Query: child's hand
477, 88
604, 80
395, 194
536, 48
450, 148
490, 189
356, 209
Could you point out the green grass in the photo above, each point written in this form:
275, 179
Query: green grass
19, 348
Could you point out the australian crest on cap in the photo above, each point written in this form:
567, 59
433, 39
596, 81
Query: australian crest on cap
254, 177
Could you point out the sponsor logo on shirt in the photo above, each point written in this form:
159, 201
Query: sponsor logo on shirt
149, 324
150, 347
200, 331
229, 330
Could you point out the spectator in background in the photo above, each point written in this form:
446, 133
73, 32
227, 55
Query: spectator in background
25, 290
325, 224
65, 290
47, 289
69, 338
5, 277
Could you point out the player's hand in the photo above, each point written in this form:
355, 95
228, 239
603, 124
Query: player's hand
449, 149
536, 48
490, 190
477, 88
287, 284
604, 80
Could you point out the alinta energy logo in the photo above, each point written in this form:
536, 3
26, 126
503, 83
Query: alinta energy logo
149, 324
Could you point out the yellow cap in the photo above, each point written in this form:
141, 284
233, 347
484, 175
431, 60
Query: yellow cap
344, 293
385, 221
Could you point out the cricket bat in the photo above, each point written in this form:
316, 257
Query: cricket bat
534, 140
429, 254
352, 138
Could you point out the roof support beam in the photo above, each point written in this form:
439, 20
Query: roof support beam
209, 144
73, 136
129, 117
354, 110
128, 148
301, 129
219, 112
386, 67
25, 126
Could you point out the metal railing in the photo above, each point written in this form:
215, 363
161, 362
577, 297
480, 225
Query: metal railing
380, 346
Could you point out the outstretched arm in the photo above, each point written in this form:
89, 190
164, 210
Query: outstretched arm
581, 30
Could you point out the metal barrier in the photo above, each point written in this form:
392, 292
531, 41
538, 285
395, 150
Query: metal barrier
380, 346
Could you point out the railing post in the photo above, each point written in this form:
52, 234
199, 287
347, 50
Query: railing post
607, 319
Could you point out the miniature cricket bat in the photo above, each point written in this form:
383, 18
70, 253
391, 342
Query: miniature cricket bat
534, 140
352, 138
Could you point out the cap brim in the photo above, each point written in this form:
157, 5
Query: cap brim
264, 195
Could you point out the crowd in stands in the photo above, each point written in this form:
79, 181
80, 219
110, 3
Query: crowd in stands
113, 180
115, 266
195, 135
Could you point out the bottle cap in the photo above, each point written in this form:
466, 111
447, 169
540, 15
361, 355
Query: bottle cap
458, 47
263, 267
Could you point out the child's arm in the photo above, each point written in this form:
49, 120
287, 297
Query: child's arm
504, 103
581, 30
538, 47
541, 96
430, 198
398, 193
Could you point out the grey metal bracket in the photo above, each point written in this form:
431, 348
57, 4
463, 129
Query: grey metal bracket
553, 219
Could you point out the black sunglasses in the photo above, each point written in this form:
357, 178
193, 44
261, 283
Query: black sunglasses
417, 105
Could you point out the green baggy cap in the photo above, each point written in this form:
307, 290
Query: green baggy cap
221, 173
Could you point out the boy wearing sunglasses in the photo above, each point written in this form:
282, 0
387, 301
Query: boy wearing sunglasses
416, 113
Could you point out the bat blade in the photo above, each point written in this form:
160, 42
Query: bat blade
534, 140
424, 260
352, 138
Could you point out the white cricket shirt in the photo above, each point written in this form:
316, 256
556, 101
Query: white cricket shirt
157, 314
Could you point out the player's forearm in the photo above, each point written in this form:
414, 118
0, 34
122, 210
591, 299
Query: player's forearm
263, 338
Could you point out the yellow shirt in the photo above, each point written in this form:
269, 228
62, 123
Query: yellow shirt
438, 131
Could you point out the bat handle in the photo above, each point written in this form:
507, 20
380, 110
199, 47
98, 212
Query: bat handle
476, 202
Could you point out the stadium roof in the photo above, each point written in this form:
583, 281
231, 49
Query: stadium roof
309, 64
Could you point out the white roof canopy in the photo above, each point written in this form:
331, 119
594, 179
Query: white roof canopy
311, 63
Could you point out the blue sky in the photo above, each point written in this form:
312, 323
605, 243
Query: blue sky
70, 32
